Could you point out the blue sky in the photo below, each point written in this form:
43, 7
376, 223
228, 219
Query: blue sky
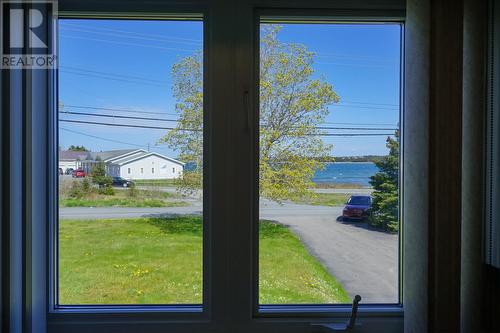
126, 66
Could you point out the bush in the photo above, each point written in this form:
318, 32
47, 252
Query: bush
99, 177
76, 191
107, 190
132, 191
80, 189
384, 213
86, 188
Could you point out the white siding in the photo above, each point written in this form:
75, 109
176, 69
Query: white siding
68, 164
163, 169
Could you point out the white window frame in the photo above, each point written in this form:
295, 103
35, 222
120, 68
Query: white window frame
281, 15
230, 212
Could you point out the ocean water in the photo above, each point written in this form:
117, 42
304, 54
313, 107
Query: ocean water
346, 173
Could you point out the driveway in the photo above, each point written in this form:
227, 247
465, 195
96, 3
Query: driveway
364, 261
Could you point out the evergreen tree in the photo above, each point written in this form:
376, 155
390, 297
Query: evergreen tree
385, 207
99, 177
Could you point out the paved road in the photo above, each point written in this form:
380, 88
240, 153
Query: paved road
317, 190
363, 260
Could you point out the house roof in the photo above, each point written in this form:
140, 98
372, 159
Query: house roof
70, 155
144, 154
105, 156
121, 156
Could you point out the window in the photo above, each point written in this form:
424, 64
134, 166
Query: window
119, 82
173, 170
329, 162
156, 254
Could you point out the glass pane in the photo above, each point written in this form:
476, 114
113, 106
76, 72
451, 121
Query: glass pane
329, 163
130, 162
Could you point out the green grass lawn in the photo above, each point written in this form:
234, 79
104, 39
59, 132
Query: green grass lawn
121, 198
155, 182
159, 261
289, 274
325, 199
120, 202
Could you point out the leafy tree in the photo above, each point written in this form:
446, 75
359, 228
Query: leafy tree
187, 137
99, 177
384, 213
77, 148
292, 105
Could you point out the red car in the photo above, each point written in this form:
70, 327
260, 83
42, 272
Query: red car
78, 173
357, 207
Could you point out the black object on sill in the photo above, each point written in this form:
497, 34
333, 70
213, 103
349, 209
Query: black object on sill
340, 327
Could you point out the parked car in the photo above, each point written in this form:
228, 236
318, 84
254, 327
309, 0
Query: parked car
69, 171
122, 182
78, 173
60, 171
357, 207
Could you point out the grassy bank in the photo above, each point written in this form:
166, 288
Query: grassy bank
122, 198
325, 199
289, 274
159, 261
155, 182
120, 202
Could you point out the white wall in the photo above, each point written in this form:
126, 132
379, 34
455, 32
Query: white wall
163, 169
68, 164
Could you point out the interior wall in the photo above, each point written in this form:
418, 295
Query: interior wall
432, 172
415, 165
473, 157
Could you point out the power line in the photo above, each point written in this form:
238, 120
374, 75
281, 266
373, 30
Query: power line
132, 32
132, 36
101, 138
175, 120
359, 124
128, 43
126, 125
110, 78
114, 74
165, 113
353, 65
370, 103
117, 116
362, 107
115, 109
354, 57
197, 130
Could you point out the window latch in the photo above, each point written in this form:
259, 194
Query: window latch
340, 327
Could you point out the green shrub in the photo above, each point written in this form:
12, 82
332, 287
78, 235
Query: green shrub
76, 191
107, 190
385, 207
86, 187
132, 191
99, 177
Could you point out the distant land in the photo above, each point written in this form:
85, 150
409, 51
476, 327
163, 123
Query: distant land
364, 158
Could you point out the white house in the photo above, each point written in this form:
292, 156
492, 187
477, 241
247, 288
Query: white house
69, 159
135, 164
